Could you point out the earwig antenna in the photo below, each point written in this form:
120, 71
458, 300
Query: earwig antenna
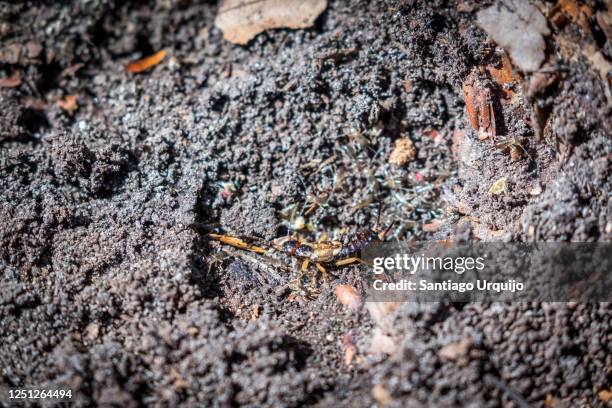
380, 208
302, 182
383, 234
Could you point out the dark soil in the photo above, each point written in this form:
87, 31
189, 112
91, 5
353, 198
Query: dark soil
111, 287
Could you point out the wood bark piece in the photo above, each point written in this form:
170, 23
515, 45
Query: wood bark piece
146, 63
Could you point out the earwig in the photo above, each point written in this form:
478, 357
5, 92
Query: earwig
322, 254
333, 253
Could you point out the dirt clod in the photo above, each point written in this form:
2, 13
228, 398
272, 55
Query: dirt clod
403, 152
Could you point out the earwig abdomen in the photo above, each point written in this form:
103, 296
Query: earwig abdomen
329, 251
357, 243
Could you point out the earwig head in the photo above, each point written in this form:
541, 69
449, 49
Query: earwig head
304, 251
288, 245
377, 232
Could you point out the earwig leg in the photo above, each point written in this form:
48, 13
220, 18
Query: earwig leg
237, 243
312, 209
347, 261
515, 153
380, 209
323, 272
526, 152
303, 269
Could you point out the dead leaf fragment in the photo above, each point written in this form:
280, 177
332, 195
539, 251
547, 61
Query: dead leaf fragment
11, 82
146, 63
349, 354
518, 27
499, 186
71, 70
454, 351
470, 105
408, 85
571, 7
241, 20
68, 104
10, 54
403, 152
348, 296
33, 49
